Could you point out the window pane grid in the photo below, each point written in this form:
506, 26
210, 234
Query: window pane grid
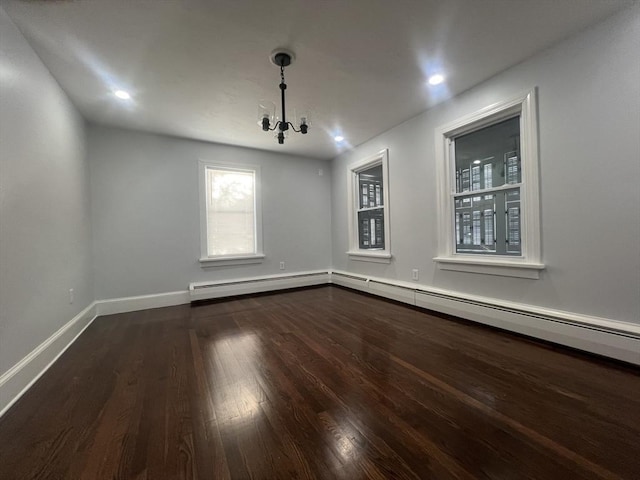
486, 192
370, 208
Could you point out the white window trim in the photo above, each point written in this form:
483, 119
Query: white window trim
227, 260
355, 252
529, 264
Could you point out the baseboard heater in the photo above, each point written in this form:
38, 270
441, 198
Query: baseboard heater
351, 281
245, 286
610, 338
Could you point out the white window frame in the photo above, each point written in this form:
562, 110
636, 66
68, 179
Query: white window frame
225, 260
355, 252
529, 263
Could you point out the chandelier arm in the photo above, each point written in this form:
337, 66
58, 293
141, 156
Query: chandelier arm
294, 128
275, 126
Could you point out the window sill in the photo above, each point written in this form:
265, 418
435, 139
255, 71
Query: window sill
375, 257
224, 261
489, 266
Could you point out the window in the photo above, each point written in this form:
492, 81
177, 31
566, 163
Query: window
487, 166
369, 209
487, 214
230, 214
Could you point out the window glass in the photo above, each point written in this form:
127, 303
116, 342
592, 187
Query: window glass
487, 160
231, 221
371, 212
488, 157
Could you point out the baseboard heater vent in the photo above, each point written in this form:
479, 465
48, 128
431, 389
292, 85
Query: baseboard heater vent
604, 337
611, 338
437, 299
245, 286
393, 292
350, 281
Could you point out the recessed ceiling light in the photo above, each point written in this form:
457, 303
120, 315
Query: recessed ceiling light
477, 162
338, 138
436, 79
121, 94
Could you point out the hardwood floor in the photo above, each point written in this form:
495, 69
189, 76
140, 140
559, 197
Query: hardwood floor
321, 383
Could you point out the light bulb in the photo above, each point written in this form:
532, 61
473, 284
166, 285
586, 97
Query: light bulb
436, 79
303, 120
266, 113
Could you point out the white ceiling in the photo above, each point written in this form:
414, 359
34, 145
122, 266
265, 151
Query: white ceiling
198, 69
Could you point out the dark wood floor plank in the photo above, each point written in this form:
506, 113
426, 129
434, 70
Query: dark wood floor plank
356, 405
210, 458
322, 384
402, 407
535, 405
294, 414
471, 453
112, 431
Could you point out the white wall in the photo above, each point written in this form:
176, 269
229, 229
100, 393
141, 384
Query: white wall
589, 127
145, 212
45, 230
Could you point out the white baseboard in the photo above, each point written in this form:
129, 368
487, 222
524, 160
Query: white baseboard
19, 378
141, 302
610, 338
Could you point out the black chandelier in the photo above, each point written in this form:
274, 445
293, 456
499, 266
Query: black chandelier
281, 58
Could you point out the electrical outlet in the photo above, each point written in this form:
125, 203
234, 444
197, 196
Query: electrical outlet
70, 295
320, 172
281, 265
414, 274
